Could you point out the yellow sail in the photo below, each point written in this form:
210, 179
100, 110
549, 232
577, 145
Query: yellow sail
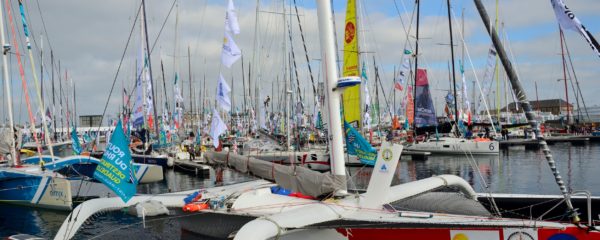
352, 112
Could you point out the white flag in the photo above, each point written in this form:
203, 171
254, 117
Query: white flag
217, 127
231, 20
231, 52
567, 20
223, 94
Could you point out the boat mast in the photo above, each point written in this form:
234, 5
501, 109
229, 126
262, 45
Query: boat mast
328, 53
416, 68
150, 68
522, 98
453, 70
564, 63
256, 60
6, 48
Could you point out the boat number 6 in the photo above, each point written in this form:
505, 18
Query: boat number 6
492, 146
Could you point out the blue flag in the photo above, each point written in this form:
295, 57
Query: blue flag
76, 145
115, 169
358, 146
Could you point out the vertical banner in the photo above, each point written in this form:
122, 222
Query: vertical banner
410, 107
352, 112
424, 110
488, 77
403, 72
115, 169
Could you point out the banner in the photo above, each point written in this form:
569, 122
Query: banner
367, 97
351, 97
567, 20
115, 169
231, 52
488, 77
358, 146
223, 94
466, 103
217, 127
424, 110
410, 107
403, 72
76, 145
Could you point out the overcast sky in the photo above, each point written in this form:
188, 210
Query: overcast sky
89, 38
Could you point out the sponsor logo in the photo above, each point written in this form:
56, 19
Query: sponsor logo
350, 32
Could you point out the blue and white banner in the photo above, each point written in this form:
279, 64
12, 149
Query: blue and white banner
358, 146
115, 169
231, 19
223, 94
231, 52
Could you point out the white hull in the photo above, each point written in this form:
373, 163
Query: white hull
447, 145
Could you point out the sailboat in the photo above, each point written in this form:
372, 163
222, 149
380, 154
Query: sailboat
424, 115
144, 112
260, 211
27, 185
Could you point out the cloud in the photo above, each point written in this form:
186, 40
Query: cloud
89, 38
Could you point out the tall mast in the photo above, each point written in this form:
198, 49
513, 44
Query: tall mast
416, 67
453, 69
6, 48
328, 56
150, 68
53, 97
256, 60
522, 98
564, 63
191, 112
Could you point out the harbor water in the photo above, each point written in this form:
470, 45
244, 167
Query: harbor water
515, 170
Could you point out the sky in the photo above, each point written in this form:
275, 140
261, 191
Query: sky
89, 39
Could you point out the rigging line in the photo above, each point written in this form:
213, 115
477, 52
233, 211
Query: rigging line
577, 81
462, 38
23, 80
162, 27
44, 25
305, 50
119, 67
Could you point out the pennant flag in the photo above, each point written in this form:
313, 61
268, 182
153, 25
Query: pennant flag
115, 169
231, 19
403, 72
567, 20
76, 145
223, 94
231, 52
358, 146
217, 127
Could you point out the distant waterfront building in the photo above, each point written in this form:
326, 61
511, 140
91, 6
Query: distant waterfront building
554, 106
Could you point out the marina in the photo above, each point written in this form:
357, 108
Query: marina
285, 119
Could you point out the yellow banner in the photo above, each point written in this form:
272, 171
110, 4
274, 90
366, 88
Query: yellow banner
352, 112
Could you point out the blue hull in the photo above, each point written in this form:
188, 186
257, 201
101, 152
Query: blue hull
18, 188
